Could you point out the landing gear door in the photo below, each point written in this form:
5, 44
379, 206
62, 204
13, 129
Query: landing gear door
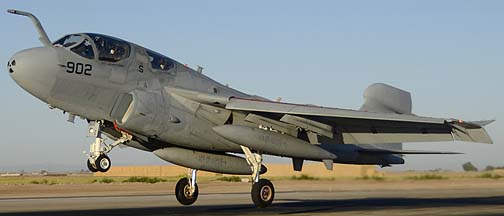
121, 106
140, 111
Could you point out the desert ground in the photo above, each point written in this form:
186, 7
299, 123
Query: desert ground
392, 194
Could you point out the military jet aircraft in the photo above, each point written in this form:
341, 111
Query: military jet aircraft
148, 101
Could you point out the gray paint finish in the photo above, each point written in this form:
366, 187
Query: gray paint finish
179, 108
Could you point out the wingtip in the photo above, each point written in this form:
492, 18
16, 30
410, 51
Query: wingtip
483, 123
12, 11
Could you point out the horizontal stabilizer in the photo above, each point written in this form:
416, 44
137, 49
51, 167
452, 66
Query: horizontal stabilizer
385, 151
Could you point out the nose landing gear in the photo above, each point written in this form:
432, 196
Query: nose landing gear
98, 161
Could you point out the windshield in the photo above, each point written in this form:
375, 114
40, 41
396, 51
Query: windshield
78, 44
68, 40
110, 49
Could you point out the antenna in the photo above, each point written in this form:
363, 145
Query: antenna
200, 69
43, 35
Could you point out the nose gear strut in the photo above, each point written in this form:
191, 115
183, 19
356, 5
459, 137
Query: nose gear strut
98, 161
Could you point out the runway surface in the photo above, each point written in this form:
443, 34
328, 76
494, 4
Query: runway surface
479, 200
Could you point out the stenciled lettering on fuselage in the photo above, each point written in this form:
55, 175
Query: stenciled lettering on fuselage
79, 68
140, 68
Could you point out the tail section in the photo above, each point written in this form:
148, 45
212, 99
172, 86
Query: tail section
383, 98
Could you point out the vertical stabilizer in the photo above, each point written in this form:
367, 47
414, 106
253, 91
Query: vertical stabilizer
383, 98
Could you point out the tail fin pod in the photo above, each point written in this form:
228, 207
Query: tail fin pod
382, 98
379, 97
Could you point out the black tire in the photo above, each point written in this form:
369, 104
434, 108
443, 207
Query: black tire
263, 193
182, 192
103, 163
91, 167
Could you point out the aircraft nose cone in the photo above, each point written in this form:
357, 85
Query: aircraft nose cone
34, 70
10, 65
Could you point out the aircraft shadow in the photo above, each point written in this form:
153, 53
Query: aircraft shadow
292, 206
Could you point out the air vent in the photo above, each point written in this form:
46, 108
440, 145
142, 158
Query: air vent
10, 64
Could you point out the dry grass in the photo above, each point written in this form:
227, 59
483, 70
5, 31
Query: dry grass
427, 177
150, 180
387, 176
304, 177
230, 179
490, 176
374, 178
54, 180
47, 180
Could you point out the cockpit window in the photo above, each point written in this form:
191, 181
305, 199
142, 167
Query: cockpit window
160, 62
78, 44
84, 49
110, 49
68, 40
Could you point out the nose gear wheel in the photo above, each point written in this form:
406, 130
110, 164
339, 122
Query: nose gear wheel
98, 161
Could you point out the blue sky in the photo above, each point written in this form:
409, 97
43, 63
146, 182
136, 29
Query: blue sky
448, 54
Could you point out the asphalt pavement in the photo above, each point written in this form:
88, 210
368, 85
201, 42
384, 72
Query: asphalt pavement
339, 202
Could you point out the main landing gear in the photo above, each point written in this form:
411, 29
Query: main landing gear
98, 161
186, 190
262, 193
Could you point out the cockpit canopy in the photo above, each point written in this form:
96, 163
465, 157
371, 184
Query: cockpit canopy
78, 44
109, 49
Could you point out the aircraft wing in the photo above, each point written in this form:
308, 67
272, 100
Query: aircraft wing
359, 127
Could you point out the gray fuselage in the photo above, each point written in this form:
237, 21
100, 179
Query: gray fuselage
93, 94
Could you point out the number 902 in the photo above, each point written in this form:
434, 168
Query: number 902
79, 68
